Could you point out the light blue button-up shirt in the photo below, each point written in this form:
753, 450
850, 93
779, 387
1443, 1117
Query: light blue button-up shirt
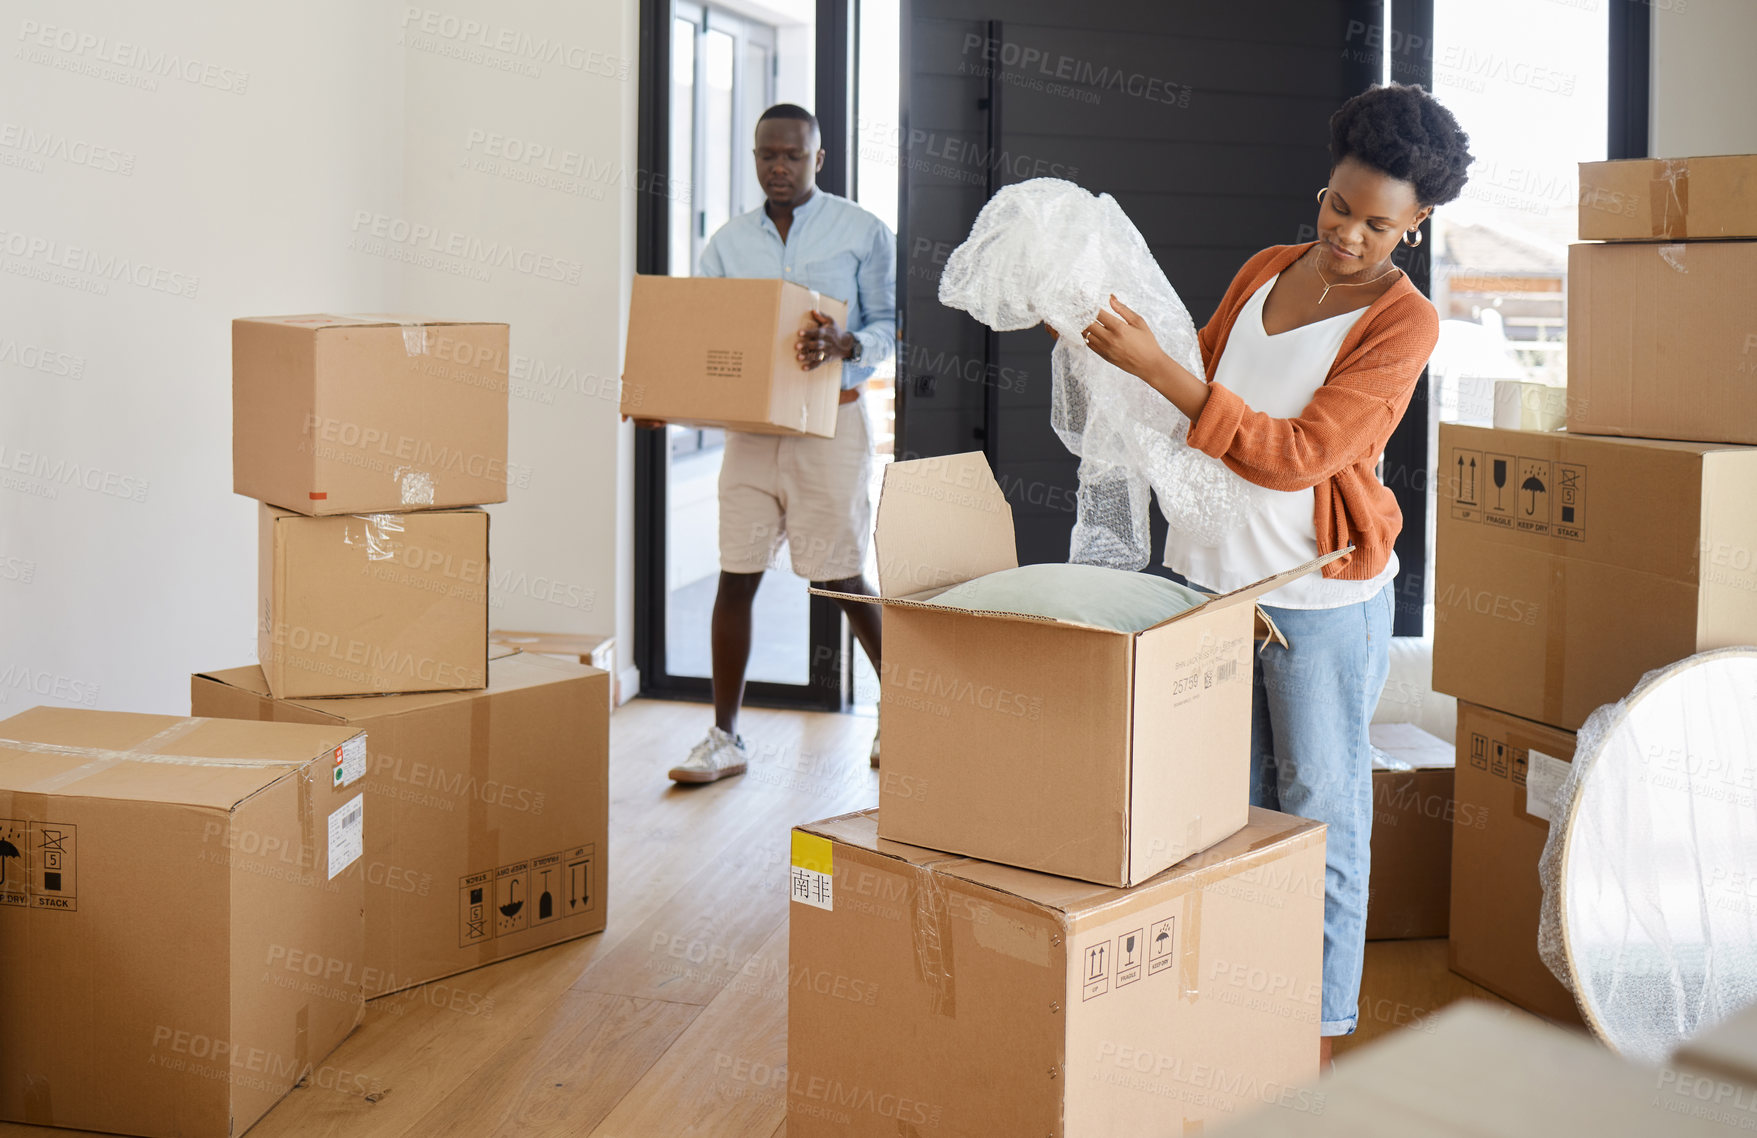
833, 247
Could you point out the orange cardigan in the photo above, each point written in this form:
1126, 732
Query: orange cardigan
1336, 441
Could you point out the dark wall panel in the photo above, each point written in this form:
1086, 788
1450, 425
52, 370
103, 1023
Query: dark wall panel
1207, 122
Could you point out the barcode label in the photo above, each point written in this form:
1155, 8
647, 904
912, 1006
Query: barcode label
1225, 670
346, 835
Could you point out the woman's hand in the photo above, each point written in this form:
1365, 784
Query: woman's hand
1124, 340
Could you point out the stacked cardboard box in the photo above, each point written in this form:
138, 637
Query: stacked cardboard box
1569, 564
179, 917
372, 444
1065, 917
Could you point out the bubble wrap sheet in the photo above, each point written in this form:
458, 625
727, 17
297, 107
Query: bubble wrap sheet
1650, 868
1047, 251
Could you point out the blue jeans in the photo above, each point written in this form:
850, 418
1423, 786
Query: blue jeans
1310, 756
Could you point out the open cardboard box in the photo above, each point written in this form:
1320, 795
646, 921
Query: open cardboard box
1043, 743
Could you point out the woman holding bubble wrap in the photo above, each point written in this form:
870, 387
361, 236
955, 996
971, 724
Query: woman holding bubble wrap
1311, 359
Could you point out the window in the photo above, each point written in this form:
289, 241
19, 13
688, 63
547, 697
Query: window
1535, 105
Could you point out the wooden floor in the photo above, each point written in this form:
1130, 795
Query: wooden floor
672, 1022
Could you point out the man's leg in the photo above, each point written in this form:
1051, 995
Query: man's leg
864, 619
750, 529
731, 644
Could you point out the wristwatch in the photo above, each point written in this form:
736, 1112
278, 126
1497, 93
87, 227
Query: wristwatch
854, 354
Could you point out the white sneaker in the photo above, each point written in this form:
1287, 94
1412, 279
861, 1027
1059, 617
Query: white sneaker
716, 757
875, 737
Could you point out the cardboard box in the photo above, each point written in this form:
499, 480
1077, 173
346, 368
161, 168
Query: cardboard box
1041, 743
936, 996
1595, 560
372, 605
1410, 884
731, 362
360, 414
1508, 771
1661, 343
1645, 199
180, 935
595, 650
1475, 1071
502, 791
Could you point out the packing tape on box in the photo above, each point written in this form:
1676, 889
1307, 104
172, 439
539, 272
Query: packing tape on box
1669, 198
302, 1044
1189, 961
39, 1103
103, 758
484, 841
414, 487
414, 331
933, 942
375, 533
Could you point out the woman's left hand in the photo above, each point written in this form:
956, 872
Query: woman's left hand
1122, 339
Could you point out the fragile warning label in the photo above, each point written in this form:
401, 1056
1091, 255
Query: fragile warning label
520, 895
1517, 492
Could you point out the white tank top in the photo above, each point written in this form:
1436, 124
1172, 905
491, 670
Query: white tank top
1276, 375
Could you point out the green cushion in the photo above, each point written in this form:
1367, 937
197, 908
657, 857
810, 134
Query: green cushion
1089, 594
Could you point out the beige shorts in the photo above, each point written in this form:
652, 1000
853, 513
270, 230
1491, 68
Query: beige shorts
809, 492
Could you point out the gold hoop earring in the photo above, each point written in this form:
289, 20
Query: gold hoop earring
1321, 194
1418, 238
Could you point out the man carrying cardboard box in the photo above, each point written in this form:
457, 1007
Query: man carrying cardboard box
811, 492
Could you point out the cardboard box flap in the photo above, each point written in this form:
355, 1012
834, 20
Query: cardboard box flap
1265, 831
941, 521
924, 600
215, 763
507, 671
860, 830
1251, 592
316, 320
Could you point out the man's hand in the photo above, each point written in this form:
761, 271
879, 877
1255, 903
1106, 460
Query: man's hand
824, 340
1124, 340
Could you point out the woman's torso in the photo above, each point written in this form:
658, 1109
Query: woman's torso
1276, 375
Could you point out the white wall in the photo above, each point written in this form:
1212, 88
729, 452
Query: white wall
1704, 87
539, 154
125, 561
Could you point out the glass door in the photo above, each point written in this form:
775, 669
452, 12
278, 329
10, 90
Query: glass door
724, 70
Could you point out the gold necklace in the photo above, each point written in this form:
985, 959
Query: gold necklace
1354, 284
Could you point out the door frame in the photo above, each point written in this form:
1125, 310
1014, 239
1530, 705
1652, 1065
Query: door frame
829, 682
